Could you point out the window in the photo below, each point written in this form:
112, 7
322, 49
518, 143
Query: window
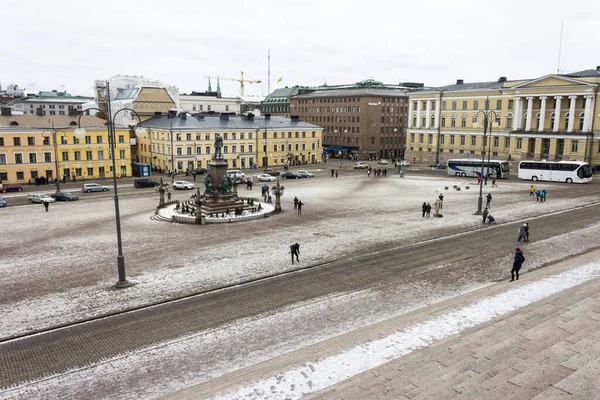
17, 141
32, 158
75, 140
179, 151
464, 105
443, 121
63, 140
121, 139
234, 149
463, 121
250, 148
188, 151
88, 155
78, 171
90, 171
226, 108
511, 104
100, 154
451, 139
442, 139
198, 136
519, 143
242, 136
498, 104
207, 136
31, 141
509, 121
77, 155
20, 176
453, 122
242, 148
443, 105
47, 157
121, 154
65, 156
88, 140
574, 146
475, 105
207, 149
454, 105
462, 140
506, 143
2, 141
99, 139
473, 141
496, 141
198, 150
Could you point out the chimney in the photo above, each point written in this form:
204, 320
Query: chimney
172, 114
598, 68
6, 111
250, 117
502, 79
267, 116
39, 111
459, 81
157, 113
224, 117
183, 115
295, 118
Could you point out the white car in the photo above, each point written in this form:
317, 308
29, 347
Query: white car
382, 162
304, 174
266, 178
361, 165
183, 185
93, 187
39, 198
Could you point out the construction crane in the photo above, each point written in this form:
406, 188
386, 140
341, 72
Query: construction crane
241, 81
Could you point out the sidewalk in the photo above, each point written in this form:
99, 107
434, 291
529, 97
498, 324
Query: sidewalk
536, 338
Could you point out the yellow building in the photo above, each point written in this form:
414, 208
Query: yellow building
554, 117
28, 148
188, 140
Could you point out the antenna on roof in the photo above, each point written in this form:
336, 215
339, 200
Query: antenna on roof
560, 46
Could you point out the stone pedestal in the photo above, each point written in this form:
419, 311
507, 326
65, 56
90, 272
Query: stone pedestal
220, 202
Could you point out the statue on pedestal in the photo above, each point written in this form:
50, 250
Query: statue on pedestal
218, 146
208, 185
226, 184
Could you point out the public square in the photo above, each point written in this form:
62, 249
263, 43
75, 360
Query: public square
59, 267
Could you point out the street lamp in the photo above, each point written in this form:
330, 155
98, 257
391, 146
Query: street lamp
486, 117
110, 122
278, 193
53, 132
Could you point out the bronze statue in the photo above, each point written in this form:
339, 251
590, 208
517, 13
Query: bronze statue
225, 186
218, 146
208, 185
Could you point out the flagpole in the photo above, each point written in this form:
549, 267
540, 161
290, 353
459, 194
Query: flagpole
269, 73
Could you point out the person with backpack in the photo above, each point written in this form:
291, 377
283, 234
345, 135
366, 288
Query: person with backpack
517, 263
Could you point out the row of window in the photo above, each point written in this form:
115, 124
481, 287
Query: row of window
200, 107
53, 106
399, 100
67, 171
66, 156
550, 104
234, 135
31, 140
234, 148
508, 119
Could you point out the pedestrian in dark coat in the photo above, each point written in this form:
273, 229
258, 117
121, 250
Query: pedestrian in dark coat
526, 229
424, 209
295, 250
46, 205
441, 200
296, 203
332, 171
427, 209
488, 200
519, 259
169, 196
300, 204
485, 214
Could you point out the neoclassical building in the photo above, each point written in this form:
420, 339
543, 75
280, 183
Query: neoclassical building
553, 117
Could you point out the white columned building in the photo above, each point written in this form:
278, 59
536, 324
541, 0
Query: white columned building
556, 114
418, 114
542, 113
518, 121
529, 113
588, 116
428, 112
571, 113
437, 114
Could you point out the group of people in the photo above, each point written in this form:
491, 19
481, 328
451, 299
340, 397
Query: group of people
266, 193
377, 172
540, 196
249, 183
298, 205
426, 207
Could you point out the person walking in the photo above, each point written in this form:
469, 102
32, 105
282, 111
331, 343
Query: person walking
368, 171
488, 200
428, 210
295, 250
424, 209
46, 205
526, 229
300, 204
517, 263
441, 197
332, 171
168, 196
521, 233
531, 191
543, 196
296, 203
485, 215
336, 173
494, 182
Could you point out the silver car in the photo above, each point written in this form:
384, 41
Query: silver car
93, 187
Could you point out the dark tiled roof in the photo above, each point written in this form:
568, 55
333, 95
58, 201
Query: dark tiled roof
472, 86
353, 92
46, 121
587, 73
217, 123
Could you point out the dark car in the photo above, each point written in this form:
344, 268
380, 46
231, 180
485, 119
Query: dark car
11, 188
442, 166
290, 175
271, 172
199, 171
144, 182
64, 196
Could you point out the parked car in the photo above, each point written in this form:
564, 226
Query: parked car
11, 188
441, 166
39, 198
184, 185
271, 172
304, 174
64, 196
403, 163
144, 182
290, 175
2, 202
382, 161
199, 171
361, 165
266, 178
93, 187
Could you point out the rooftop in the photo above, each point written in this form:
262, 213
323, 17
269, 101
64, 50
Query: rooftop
366, 91
49, 121
229, 122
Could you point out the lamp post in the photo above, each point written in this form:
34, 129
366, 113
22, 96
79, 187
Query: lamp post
80, 132
486, 117
53, 132
278, 193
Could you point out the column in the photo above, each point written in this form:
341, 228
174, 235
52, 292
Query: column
556, 114
428, 111
438, 107
529, 112
588, 116
418, 114
518, 114
410, 111
542, 114
571, 113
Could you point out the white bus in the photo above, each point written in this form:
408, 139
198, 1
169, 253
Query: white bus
556, 171
472, 167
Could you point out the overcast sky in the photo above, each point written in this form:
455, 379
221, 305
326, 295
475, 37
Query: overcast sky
67, 44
